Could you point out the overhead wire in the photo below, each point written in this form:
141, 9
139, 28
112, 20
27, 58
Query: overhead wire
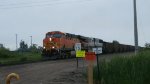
40, 4
8, 1
26, 3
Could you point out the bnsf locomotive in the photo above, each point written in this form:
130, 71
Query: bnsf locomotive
58, 44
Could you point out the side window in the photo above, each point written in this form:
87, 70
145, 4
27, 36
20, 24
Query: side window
47, 36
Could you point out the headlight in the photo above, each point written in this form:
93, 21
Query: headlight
53, 47
50, 39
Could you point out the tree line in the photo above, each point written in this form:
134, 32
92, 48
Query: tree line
23, 47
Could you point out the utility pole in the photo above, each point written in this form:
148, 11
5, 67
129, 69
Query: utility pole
31, 41
97, 58
135, 28
16, 42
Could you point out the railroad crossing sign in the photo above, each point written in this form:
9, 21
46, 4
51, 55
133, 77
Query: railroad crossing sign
97, 50
78, 46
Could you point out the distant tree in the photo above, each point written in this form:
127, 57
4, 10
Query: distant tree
1, 46
34, 48
147, 45
23, 46
40, 48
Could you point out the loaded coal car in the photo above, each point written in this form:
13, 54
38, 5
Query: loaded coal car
124, 48
115, 47
107, 47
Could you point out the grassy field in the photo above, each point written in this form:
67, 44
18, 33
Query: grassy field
10, 57
125, 70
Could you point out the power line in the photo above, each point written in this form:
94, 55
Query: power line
27, 3
40, 5
8, 1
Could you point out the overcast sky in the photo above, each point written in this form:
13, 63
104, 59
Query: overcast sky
105, 19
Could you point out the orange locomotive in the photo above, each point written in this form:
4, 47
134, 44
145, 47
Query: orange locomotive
58, 44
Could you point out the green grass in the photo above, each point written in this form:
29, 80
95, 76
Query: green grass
125, 70
9, 58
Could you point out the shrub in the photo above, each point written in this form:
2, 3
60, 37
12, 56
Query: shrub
23, 59
4, 53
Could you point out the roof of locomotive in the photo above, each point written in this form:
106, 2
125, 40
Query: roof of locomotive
52, 32
73, 35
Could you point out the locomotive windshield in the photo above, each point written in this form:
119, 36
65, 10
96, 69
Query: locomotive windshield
56, 35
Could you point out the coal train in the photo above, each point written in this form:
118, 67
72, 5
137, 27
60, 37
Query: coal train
58, 45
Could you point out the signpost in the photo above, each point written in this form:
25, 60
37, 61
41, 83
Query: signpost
90, 56
79, 53
97, 51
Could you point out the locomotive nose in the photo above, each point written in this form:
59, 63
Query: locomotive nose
50, 43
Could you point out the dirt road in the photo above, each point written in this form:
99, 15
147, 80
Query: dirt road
49, 72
